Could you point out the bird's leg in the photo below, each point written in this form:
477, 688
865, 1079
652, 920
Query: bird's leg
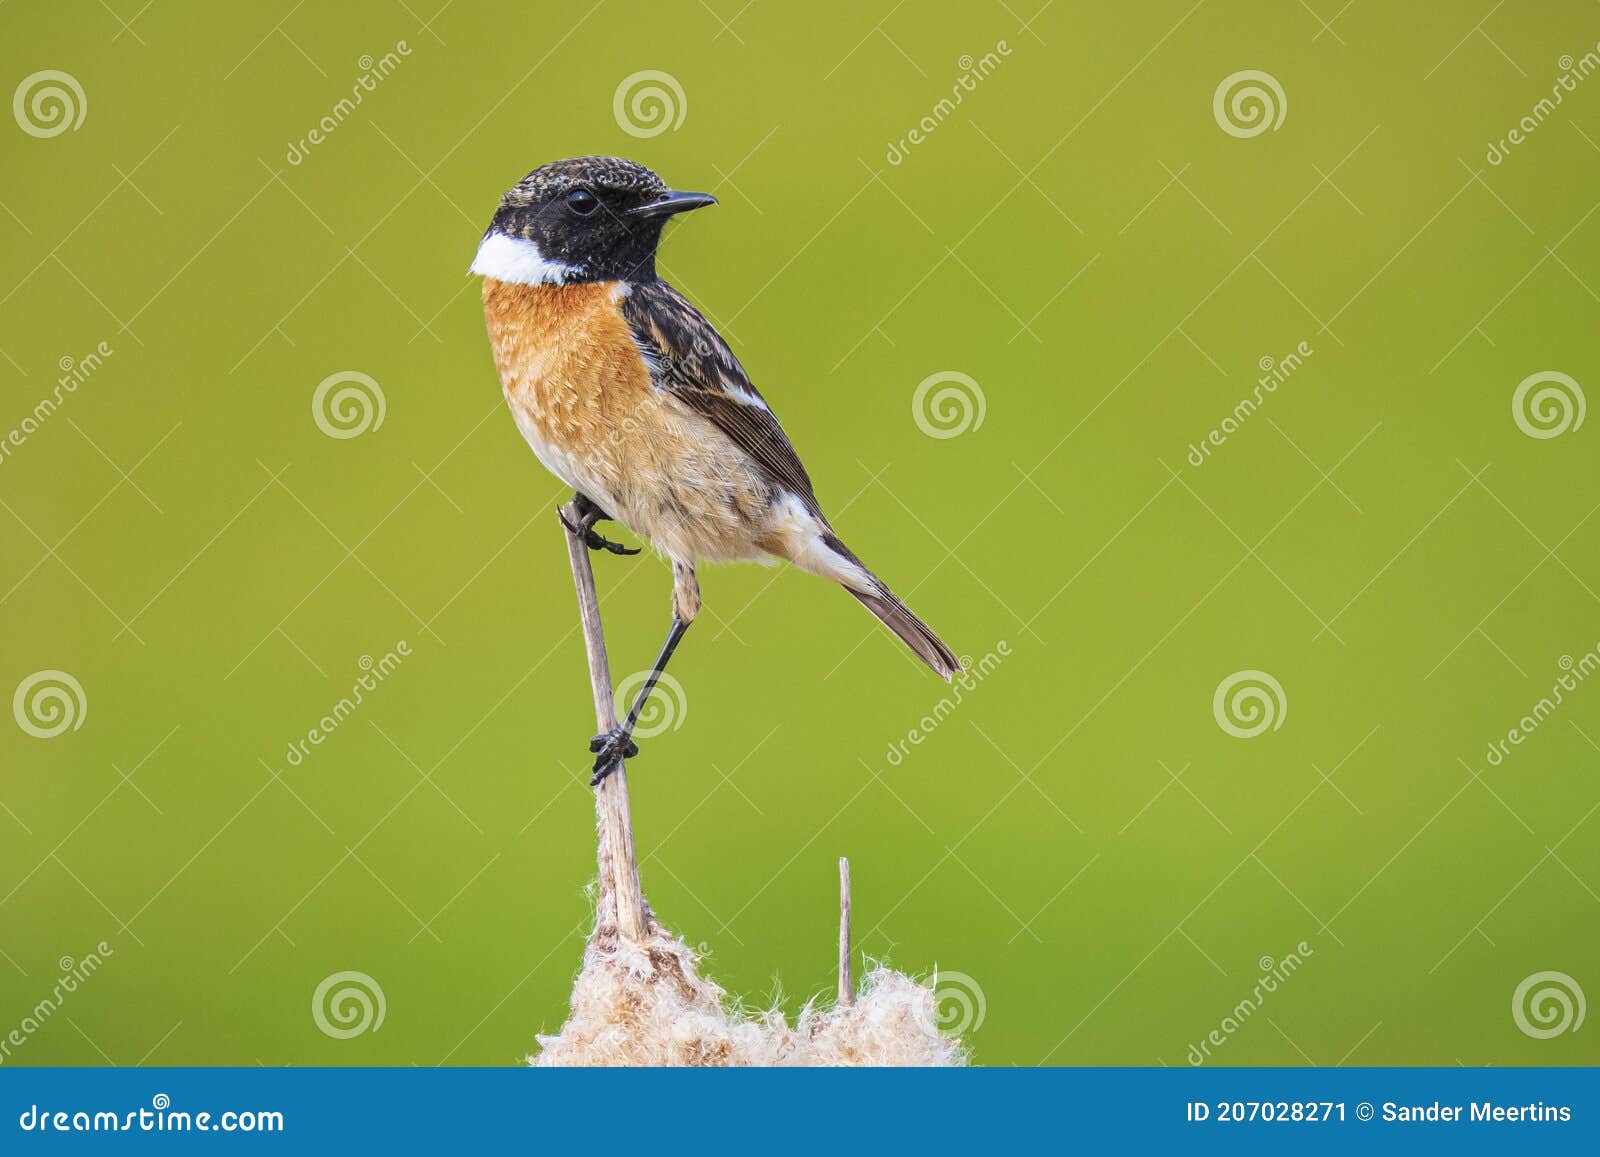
588, 515
615, 746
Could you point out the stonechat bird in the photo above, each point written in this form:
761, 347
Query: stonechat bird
631, 397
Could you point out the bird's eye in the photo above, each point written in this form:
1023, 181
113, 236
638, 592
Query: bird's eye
582, 202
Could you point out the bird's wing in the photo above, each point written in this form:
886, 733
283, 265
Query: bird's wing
688, 359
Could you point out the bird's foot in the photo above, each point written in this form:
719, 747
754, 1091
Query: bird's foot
609, 751
594, 540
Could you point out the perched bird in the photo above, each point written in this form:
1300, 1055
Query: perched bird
631, 397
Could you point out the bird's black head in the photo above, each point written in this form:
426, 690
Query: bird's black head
584, 219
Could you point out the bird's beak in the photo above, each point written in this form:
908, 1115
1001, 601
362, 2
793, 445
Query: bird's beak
672, 202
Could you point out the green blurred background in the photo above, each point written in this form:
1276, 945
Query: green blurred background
1079, 839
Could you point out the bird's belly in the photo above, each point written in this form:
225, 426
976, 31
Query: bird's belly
565, 456
664, 473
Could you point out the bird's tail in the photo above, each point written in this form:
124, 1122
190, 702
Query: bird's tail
898, 617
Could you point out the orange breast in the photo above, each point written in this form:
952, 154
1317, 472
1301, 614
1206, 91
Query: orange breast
574, 380
566, 357
581, 395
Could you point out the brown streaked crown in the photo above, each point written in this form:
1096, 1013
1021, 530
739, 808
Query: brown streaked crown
613, 174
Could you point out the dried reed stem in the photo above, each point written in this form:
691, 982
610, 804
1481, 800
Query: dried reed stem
620, 907
846, 988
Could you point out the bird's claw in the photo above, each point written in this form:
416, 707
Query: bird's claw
594, 540
597, 541
612, 739
610, 750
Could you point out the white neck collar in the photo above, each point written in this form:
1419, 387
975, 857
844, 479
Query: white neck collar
515, 259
